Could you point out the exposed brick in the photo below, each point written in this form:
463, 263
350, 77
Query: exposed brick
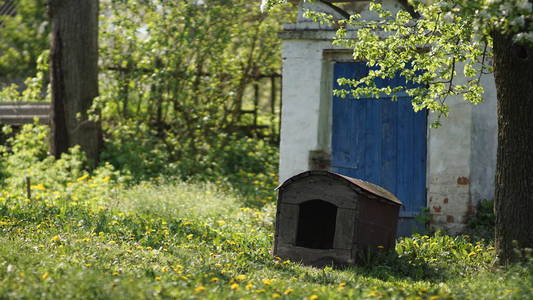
463, 180
449, 219
445, 200
437, 208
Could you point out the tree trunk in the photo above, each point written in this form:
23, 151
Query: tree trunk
74, 76
514, 169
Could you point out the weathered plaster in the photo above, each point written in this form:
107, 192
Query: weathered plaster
484, 144
300, 118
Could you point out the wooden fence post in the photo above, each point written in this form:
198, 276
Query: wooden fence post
28, 187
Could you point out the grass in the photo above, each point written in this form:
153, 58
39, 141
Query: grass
196, 241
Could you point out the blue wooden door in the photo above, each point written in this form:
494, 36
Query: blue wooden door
381, 141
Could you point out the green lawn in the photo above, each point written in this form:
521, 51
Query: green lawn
93, 240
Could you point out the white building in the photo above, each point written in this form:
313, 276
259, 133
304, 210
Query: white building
448, 169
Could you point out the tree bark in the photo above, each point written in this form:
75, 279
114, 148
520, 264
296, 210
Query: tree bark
513, 66
74, 76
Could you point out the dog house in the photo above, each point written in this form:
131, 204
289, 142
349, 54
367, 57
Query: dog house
324, 218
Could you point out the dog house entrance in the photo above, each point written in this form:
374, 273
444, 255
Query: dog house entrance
316, 224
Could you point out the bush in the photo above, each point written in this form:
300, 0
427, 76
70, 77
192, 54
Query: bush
482, 223
65, 179
246, 164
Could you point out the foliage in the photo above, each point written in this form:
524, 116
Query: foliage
25, 156
429, 47
247, 164
177, 71
35, 87
482, 223
181, 240
171, 91
24, 37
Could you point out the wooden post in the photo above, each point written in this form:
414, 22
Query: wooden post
28, 187
273, 106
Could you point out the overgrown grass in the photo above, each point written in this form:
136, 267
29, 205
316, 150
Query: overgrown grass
184, 240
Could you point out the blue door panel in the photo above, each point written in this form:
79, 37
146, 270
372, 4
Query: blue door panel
381, 141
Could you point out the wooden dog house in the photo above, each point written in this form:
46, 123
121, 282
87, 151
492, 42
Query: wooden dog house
326, 218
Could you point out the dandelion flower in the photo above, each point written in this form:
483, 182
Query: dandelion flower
240, 277
82, 178
39, 187
288, 291
200, 289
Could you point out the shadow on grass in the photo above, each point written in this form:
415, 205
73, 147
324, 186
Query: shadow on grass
382, 266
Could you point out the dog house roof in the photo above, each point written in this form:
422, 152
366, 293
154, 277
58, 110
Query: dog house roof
357, 184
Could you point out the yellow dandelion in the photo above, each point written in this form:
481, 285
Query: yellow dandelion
56, 238
267, 281
82, 178
288, 291
189, 236
157, 278
275, 295
313, 297
214, 279
234, 286
221, 223
240, 277
200, 289
45, 275
39, 187
249, 286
